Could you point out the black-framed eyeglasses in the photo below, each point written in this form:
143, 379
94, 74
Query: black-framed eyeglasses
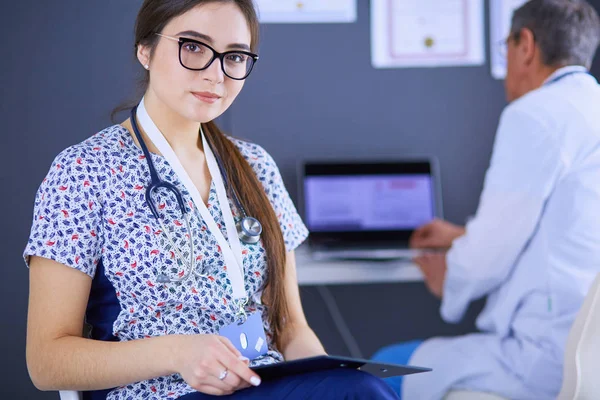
503, 44
503, 47
197, 56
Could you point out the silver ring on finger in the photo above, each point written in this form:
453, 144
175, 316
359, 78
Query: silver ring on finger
223, 374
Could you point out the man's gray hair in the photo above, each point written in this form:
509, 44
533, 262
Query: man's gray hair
566, 31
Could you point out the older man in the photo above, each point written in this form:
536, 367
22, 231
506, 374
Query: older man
533, 247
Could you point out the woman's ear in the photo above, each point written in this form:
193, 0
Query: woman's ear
143, 55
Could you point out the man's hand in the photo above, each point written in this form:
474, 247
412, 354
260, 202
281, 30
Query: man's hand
436, 234
433, 267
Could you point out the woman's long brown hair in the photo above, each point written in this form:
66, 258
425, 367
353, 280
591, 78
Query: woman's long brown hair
152, 17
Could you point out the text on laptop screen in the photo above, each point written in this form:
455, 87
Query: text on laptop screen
368, 202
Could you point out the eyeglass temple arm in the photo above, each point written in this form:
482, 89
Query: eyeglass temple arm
168, 37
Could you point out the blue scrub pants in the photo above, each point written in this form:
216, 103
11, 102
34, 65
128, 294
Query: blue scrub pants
337, 384
396, 354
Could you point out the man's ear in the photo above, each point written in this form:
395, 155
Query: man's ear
526, 45
143, 55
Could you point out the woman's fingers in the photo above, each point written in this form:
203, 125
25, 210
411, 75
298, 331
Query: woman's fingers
212, 365
230, 382
230, 346
235, 364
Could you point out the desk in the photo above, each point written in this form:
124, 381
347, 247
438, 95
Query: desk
337, 272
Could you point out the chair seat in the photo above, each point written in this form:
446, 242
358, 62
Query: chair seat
580, 372
69, 395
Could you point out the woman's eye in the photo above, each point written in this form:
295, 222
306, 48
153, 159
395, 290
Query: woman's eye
236, 58
192, 47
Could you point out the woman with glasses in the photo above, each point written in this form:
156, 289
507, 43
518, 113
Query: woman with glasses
173, 242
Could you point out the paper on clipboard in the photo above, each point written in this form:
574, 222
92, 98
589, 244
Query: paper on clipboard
426, 33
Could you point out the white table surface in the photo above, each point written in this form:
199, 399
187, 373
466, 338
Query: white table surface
337, 272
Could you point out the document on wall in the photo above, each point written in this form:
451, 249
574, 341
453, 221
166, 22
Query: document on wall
427, 33
500, 19
306, 11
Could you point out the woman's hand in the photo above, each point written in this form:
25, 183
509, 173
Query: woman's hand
202, 359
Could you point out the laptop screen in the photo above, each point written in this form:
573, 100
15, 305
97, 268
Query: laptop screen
355, 198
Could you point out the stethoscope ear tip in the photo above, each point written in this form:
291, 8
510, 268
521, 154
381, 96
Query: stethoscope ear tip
162, 278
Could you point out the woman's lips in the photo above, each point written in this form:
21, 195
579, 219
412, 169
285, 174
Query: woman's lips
206, 97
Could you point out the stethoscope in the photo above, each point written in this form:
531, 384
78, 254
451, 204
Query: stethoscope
249, 229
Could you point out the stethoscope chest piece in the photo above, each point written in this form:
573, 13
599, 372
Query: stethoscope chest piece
249, 230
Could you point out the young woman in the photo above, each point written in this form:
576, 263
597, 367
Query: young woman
164, 235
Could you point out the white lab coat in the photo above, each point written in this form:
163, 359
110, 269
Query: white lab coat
533, 248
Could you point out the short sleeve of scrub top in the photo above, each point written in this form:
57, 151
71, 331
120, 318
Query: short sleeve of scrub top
293, 229
66, 221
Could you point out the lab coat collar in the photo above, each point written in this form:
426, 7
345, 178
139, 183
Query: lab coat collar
563, 71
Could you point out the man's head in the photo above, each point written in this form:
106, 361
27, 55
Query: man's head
546, 35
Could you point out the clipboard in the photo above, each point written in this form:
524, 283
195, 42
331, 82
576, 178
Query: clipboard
327, 362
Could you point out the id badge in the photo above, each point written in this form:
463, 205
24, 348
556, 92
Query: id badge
248, 337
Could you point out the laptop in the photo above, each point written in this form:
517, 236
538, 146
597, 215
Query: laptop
368, 210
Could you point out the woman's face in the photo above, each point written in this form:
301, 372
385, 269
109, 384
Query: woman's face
199, 96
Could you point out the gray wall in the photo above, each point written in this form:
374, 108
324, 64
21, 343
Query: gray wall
324, 100
67, 64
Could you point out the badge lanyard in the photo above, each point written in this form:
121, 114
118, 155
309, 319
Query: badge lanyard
232, 251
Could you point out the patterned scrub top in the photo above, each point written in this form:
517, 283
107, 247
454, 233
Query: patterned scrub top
91, 208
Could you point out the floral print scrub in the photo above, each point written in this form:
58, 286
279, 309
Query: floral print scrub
91, 209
